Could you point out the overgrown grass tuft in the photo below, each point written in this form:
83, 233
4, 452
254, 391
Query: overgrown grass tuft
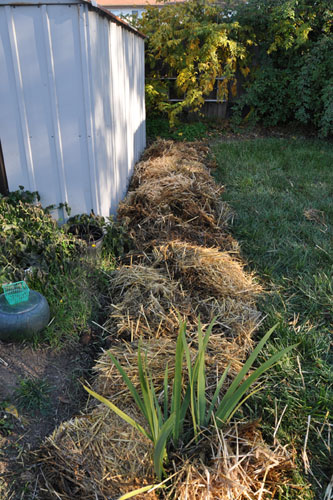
282, 193
33, 395
74, 296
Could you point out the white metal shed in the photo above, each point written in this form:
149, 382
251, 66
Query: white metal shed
72, 111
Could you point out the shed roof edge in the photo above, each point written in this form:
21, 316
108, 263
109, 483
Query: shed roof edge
103, 11
92, 4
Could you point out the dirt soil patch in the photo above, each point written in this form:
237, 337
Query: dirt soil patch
23, 429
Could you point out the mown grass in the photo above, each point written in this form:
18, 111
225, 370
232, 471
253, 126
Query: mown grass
282, 193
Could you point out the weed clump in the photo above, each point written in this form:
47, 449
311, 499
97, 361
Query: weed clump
30, 238
33, 395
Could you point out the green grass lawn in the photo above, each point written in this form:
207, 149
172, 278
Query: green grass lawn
281, 191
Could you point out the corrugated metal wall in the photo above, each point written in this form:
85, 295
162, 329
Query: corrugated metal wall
72, 104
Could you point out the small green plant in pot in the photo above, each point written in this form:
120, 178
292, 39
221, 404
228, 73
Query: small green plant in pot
88, 227
100, 233
174, 419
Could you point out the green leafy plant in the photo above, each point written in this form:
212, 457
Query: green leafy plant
194, 43
91, 227
279, 52
23, 195
29, 237
34, 248
166, 422
117, 241
291, 75
33, 395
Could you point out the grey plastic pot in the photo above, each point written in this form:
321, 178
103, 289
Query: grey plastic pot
22, 321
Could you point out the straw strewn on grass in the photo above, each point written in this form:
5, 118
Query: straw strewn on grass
97, 455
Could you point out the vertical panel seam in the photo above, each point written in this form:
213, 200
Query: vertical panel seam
144, 95
87, 90
54, 103
114, 92
110, 168
20, 97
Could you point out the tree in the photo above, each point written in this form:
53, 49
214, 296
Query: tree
195, 42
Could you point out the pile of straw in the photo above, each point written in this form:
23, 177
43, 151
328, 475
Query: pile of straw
95, 456
98, 456
158, 353
186, 280
207, 270
165, 156
172, 195
144, 303
241, 466
217, 286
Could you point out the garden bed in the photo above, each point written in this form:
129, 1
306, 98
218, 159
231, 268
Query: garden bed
169, 276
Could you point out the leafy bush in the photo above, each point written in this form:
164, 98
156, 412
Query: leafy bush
193, 42
267, 99
116, 240
281, 48
52, 261
294, 76
314, 86
29, 237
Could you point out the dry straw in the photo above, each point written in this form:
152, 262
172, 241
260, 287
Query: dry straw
98, 456
208, 269
144, 301
241, 467
189, 280
95, 456
172, 195
158, 353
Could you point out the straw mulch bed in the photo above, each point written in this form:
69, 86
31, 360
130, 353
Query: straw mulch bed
190, 281
158, 353
185, 265
242, 467
95, 456
144, 302
172, 195
98, 456
207, 269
